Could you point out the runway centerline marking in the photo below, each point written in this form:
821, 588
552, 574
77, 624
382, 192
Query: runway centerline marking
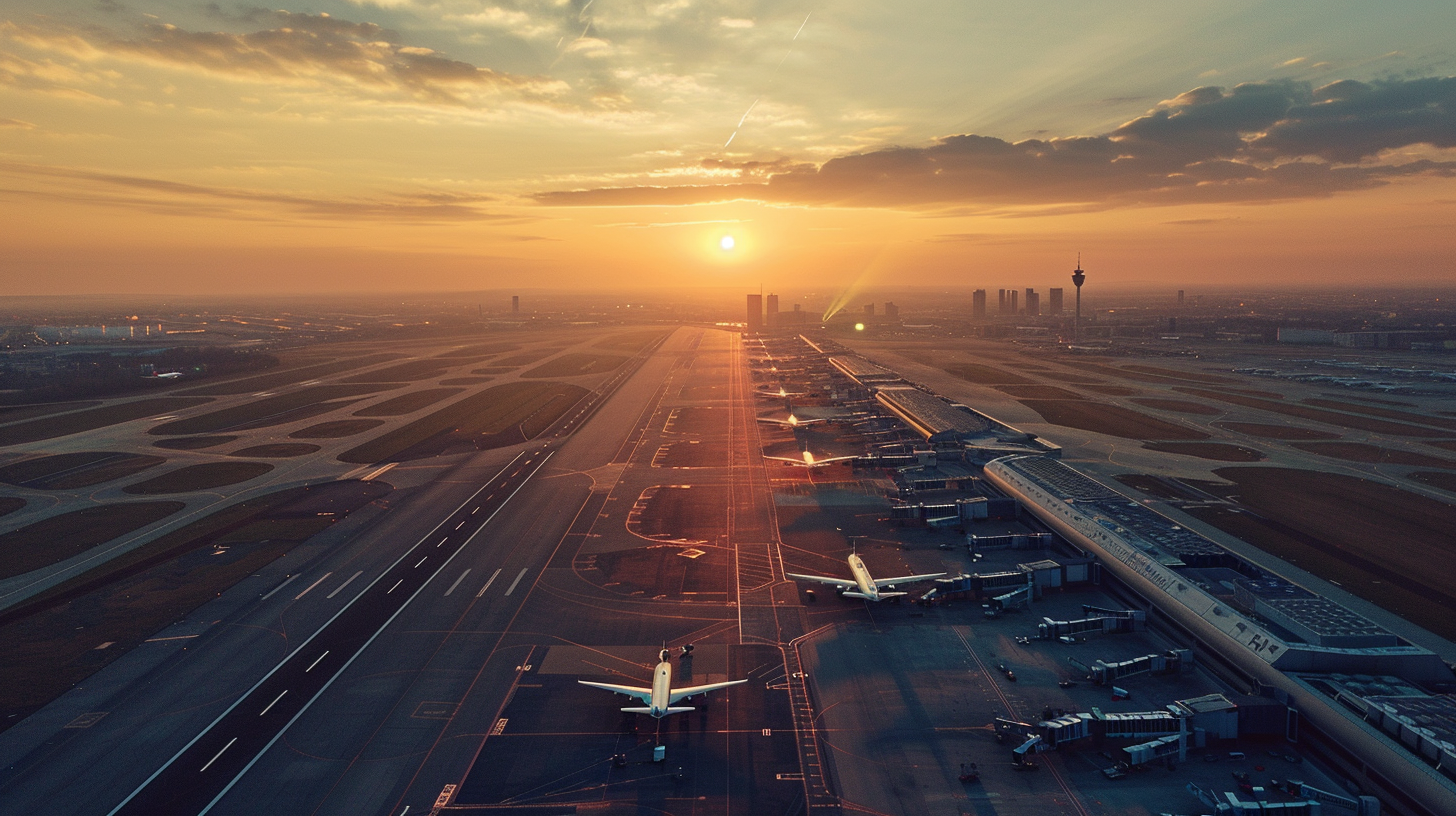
346, 583
488, 583
457, 582
315, 662
521, 575
461, 524
218, 754
423, 560
270, 705
280, 586
396, 586
312, 585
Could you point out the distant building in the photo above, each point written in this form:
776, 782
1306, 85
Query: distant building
869, 310
771, 316
1001, 305
1180, 298
892, 312
978, 304
755, 312
1308, 337
1011, 307
515, 304
1033, 303
1054, 301
798, 315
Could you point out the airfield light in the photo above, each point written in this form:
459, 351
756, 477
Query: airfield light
859, 327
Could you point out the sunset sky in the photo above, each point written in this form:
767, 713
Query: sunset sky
169, 146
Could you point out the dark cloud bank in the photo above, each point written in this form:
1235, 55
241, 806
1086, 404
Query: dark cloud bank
1257, 142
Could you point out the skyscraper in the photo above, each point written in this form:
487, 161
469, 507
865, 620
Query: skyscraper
1054, 301
869, 310
1180, 298
755, 313
1001, 301
1033, 303
771, 316
515, 304
1011, 307
978, 304
892, 312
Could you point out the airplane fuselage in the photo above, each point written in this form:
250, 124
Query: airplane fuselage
862, 578
661, 690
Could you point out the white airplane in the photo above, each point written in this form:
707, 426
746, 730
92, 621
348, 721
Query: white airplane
662, 695
864, 585
808, 460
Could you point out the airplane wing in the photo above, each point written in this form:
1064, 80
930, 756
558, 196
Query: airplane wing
643, 694
837, 583
905, 579
679, 694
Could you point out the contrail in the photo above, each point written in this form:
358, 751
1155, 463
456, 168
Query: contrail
744, 118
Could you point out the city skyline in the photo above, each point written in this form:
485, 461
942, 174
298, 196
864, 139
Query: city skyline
191, 148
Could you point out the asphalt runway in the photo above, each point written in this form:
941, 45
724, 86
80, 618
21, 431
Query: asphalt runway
316, 688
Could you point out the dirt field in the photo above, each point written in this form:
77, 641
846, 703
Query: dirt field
93, 418
277, 450
53, 540
986, 375
576, 365
335, 430
290, 376
698, 421
1263, 431
407, 403
15, 413
193, 442
524, 358
483, 349
413, 370
1113, 420
466, 380
1435, 478
1404, 416
630, 342
1212, 379
1361, 452
1218, 451
1401, 539
71, 470
267, 411
1112, 390
519, 410
1314, 414
199, 477
1040, 392
1180, 406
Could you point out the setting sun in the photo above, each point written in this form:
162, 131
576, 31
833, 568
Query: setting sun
726, 243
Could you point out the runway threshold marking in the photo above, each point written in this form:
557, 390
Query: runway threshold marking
457, 582
346, 583
521, 575
317, 632
311, 586
488, 583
